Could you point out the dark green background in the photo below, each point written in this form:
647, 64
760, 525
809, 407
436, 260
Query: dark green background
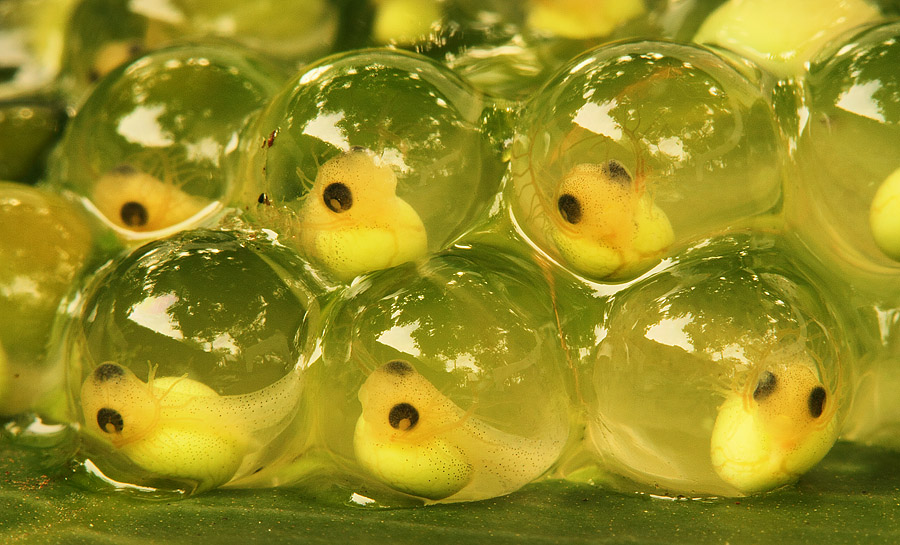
853, 496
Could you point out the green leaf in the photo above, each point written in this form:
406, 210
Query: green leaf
853, 496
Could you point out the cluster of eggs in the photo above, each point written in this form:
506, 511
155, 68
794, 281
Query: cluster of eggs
669, 267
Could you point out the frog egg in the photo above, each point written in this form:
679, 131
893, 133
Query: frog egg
151, 151
46, 244
582, 19
723, 374
104, 34
841, 190
783, 36
32, 34
29, 128
369, 159
445, 381
186, 359
605, 182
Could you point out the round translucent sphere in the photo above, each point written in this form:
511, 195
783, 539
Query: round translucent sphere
843, 202
636, 147
446, 381
152, 149
186, 359
368, 160
101, 35
45, 244
723, 374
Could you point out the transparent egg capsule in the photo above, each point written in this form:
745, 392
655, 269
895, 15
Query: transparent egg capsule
151, 151
29, 128
445, 381
843, 197
783, 36
46, 244
102, 35
186, 360
368, 160
724, 374
606, 180
31, 34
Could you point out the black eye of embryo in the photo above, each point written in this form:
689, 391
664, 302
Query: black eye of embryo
765, 387
337, 197
570, 208
403, 416
816, 401
134, 214
108, 371
110, 417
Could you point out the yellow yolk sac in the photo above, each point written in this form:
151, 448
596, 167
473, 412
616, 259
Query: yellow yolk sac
774, 430
138, 205
416, 440
180, 428
782, 35
353, 222
884, 216
607, 228
580, 19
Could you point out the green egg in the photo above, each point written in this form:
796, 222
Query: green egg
369, 159
726, 373
46, 244
101, 35
444, 381
606, 180
187, 356
784, 36
29, 128
33, 42
846, 152
152, 150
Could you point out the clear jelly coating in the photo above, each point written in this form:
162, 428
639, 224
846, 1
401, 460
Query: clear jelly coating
152, 149
444, 381
373, 152
186, 359
724, 374
101, 35
45, 244
783, 36
843, 197
636, 147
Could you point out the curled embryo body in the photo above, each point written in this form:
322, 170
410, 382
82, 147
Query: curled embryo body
418, 441
180, 428
607, 224
352, 220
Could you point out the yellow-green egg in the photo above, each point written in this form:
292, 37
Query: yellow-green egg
580, 19
453, 385
839, 195
884, 216
782, 36
370, 159
606, 184
186, 358
153, 149
46, 245
723, 374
